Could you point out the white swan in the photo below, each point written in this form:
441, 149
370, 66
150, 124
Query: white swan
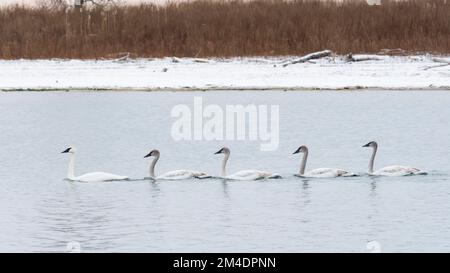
172, 175
243, 175
88, 177
321, 172
394, 170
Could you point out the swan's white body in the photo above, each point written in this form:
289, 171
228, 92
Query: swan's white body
326, 172
320, 172
97, 177
182, 174
394, 170
249, 175
244, 175
172, 175
89, 177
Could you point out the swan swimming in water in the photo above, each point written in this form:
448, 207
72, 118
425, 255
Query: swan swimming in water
172, 175
321, 172
394, 170
243, 175
88, 177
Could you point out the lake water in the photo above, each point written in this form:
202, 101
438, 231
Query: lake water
42, 212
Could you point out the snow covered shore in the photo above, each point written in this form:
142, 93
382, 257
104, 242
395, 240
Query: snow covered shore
334, 73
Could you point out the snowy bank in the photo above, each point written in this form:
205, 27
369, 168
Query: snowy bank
374, 72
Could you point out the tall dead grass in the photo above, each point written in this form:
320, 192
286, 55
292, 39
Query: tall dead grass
224, 28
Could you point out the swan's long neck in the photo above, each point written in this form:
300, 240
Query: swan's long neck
303, 164
224, 164
152, 166
71, 171
372, 158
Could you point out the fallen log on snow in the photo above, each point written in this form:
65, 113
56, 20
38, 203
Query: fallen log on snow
439, 60
393, 52
198, 60
311, 56
442, 62
351, 58
121, 56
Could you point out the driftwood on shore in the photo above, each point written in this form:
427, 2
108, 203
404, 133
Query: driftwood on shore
199, 60
351, 58
311, 56
393, 52
121, 56
442, 62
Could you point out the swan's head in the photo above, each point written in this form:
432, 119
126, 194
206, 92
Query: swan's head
70, 150
372, 144
224, 150
152, 153
301, 149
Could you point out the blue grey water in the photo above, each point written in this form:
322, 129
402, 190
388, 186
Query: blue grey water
42, 212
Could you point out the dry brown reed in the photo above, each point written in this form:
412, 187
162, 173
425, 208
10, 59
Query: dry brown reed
224, 28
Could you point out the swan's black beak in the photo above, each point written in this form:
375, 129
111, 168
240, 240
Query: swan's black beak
219, 151
296, 151
367, 145
65, 151
149, 154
